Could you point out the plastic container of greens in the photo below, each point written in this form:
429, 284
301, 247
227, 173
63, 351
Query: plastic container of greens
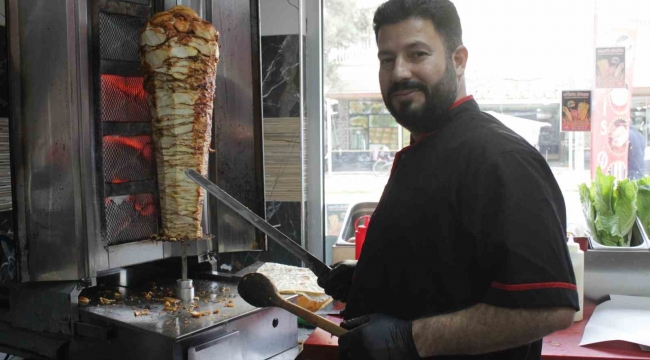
638, 240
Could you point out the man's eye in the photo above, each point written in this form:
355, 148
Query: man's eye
418, 54
385, 61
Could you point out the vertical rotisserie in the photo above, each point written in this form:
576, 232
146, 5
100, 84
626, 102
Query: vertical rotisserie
179, 54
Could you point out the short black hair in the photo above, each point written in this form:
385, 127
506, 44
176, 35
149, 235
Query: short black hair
442, 13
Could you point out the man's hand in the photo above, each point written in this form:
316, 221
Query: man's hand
337, 282
377, 337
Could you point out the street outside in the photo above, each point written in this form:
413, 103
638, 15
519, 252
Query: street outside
354, 187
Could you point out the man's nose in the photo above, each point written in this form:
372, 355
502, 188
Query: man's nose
401, 71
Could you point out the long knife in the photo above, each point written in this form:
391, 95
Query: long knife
318, 267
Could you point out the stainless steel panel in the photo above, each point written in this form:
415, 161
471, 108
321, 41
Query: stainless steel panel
268, 333
194, 248
96, 255
258, 338
200, 6
313, 98
229, 344
183, 325
49, 116
134, 253
612, 272
237, 166
44, 307
18, 170
264, 334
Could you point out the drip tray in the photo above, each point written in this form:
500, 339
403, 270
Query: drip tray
229, 323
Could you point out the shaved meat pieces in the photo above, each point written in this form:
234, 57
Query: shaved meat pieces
179, 54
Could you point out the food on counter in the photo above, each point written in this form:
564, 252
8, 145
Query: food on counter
206, 313
137, 313
172, 300
117, 296
179, 54
196, 298
83, 300
195, 314
230, 304
105, 301
610, 208
295, 280
216, 311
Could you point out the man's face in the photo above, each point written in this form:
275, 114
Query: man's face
418, 79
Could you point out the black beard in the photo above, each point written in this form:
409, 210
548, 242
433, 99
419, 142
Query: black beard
439, 97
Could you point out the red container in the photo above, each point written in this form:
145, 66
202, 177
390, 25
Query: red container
360, 234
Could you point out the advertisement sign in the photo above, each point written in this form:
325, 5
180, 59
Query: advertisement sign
615, 34
576, 110
610, 68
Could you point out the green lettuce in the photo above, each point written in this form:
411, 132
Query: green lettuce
643, 202
588, 207
609, 208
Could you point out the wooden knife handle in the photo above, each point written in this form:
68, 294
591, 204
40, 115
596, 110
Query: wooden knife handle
312, 318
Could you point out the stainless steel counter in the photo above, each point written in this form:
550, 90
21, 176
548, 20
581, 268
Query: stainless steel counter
238, 332
175, 325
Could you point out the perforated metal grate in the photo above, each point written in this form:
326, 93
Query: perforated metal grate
141, 2
123, 99
130, 218
119, 37
128, 158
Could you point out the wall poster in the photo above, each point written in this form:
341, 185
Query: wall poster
576, 110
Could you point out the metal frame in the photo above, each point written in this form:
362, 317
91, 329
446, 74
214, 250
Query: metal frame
311, 32
238, 166
94, 252
113, 256
59, 203
47, 140
15, 129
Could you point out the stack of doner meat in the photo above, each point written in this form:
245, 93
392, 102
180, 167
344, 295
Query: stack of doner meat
179, 54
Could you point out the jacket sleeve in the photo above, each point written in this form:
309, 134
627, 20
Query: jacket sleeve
516, 213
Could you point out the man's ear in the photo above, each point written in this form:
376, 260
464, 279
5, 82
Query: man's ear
460, 60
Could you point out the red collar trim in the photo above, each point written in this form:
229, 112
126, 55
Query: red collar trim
462, 101
413, 142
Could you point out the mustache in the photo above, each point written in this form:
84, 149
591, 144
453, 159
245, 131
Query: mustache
407, 85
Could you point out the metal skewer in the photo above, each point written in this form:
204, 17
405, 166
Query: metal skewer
184, 286
184, 260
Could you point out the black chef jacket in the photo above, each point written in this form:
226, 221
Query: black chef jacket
470, 214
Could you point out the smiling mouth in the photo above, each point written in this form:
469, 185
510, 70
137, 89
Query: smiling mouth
404, 92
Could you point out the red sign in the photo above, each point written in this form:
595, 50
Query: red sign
615, 37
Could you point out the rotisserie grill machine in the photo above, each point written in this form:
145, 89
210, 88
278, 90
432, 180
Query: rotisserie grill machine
86, 197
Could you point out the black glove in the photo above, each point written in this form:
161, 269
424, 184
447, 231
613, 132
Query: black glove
377, 337
337, 282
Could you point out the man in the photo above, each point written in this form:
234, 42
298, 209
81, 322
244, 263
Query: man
465, 256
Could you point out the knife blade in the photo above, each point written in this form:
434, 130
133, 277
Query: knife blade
318, 267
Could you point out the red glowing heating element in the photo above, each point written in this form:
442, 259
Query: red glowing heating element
123, 99
130, 217
143, 205
127, 158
